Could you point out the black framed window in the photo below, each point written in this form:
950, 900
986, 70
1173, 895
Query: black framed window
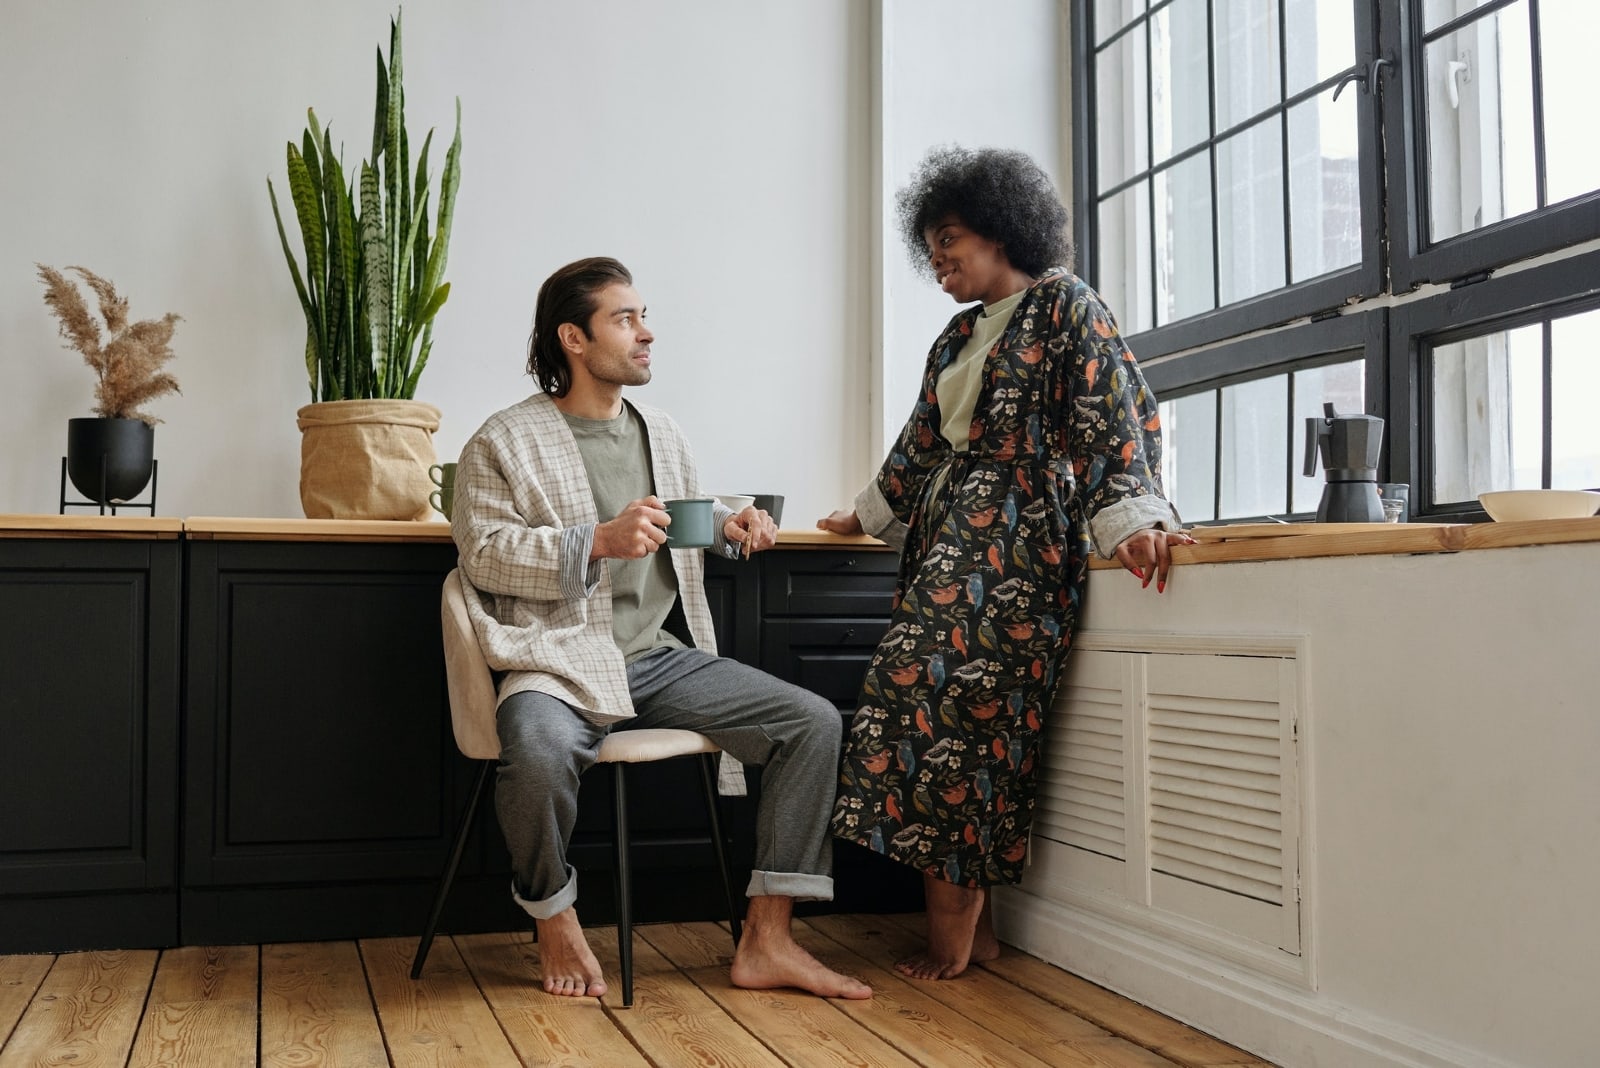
1502, 380
1246, 170
1493, 131
1223, 177
1235, 441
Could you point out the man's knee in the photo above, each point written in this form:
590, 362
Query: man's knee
823, 725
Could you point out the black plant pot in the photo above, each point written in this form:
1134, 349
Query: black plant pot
116, 454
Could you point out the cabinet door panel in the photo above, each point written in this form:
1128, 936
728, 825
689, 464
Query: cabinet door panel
89, 725
826, 656
319, 741
829, 583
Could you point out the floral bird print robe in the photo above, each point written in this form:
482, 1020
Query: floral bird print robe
940, 766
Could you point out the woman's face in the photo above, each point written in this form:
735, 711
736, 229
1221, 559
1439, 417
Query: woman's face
967, 265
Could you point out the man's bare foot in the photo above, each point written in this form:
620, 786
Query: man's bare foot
769, 957
954, 915
566, 962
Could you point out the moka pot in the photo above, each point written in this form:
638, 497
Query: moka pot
1349, 446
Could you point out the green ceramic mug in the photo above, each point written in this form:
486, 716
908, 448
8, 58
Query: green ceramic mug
443, 476
691, 523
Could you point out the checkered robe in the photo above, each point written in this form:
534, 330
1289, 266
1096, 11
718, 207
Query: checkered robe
523, 523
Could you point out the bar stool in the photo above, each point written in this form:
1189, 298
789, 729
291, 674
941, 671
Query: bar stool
472, 711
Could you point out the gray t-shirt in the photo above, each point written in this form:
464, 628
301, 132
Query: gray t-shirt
644, 593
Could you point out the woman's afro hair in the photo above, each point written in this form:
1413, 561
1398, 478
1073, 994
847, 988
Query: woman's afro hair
1000, 194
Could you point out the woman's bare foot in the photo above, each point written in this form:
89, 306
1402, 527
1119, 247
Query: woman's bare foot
985, 946
954, 915
566, 962
769, 957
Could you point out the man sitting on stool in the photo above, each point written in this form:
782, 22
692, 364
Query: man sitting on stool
599, 630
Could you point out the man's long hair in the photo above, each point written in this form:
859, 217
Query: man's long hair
568, 296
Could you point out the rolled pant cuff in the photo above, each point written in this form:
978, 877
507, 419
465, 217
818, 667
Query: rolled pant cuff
797, 885
557, 902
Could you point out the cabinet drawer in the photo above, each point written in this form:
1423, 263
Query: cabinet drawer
826, 656
830, 583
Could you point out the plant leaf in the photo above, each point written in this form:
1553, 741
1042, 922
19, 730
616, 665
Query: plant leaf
376, 278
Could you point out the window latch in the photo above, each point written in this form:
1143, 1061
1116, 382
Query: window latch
1367, 79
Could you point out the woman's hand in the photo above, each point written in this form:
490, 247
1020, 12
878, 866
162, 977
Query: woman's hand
844, 521
1148, 554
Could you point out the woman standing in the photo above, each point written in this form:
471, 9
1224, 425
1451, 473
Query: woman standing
1035, 442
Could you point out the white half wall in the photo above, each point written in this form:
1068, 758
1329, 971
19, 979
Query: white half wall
1450, 812
720, 148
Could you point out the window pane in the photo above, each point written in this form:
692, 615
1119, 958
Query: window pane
1324, 185
1189, 456
1567, 36
1575, 402
1488, 399
1247, 72
1321, 40
1250, 237
1111, 15
1121, 122
1124, 278
1181, 107
1255, 447
1184, 275
1480, 124
1438, 12
1345, 386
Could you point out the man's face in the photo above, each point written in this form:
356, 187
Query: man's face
618, 348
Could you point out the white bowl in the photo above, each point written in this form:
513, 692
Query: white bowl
737, 501
1508, 505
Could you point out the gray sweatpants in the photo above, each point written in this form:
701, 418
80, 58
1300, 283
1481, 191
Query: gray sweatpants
791, 733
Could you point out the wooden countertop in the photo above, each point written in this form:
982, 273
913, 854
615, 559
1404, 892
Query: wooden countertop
225, 528
1297, 541
236, 528
1219, 544
147, 528
232, 528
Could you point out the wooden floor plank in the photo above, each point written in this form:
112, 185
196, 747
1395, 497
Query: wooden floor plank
1053, 1033
440, 1019
907, 1018
673, 1021
315, 1008
805, 1030
201, 1012
1137, 1023
86, 1011
544, 1030
20, 976
354, 1005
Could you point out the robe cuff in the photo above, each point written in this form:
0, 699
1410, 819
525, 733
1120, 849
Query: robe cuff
580, 576
878, 519
1112, 525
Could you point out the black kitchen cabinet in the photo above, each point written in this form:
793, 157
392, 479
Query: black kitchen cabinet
822, 614
226, 739
89, 652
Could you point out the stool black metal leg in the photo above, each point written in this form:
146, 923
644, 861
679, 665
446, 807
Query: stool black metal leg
449, 876
708, 776
619, 801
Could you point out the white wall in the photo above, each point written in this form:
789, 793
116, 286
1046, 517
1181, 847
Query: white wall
981, 75
1451, 811
740, 157
718, 147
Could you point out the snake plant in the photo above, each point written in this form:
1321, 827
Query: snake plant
374, 281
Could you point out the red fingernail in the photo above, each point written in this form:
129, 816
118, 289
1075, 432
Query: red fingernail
1137, 573
1161, 587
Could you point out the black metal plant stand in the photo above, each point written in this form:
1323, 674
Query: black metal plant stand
103, 503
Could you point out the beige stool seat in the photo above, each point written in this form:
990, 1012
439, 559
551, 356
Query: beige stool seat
473, 700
